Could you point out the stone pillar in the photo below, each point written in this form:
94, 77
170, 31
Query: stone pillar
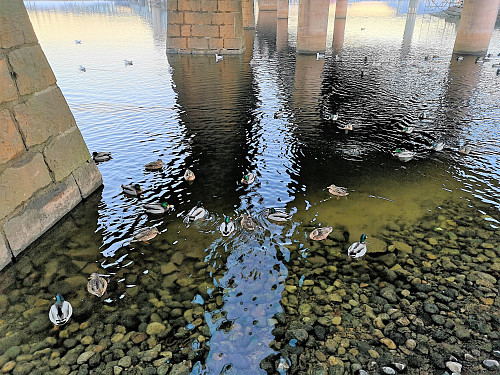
268, 5
313, 23
409, 26
45, 166
247, 7
339, 24
283, 9
476, 26
282, 34
205, 27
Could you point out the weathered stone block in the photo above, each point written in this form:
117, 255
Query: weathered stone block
33, 72
15, 25
8, 89
88, 178
211, 31
223, 19
189, 5
216, 43
11, 143
21, 180
176, 43
175, 17
172, 5
4, 252
186, 30
197, 43
233, 43
65, 153
40, 214
209, 5
173, 30
229, 6
227, 31
44, 115
268, 4
192, 18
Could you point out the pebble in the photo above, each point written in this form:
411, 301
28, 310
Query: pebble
399, 366
388, 370
388, 342
411, 344
490, 363
454, 366
468, 357
84, 357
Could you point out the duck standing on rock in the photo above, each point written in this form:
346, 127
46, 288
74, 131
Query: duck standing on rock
248, 179
158, 208
278, 215
247, 222
227, 227
337, 191
198, 212
145, 234
60, 312
97, 285
320, 233
189, 175
154, 165
357, 249
133, 190
100, 157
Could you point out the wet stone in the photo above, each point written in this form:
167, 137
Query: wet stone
491, 363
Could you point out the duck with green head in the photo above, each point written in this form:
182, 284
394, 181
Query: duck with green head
248, 179
404, 155
198, 212
278, 215
358, 249
158, 208
133, 189
60, 312
227, 227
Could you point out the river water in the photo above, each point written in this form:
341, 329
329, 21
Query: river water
193, 301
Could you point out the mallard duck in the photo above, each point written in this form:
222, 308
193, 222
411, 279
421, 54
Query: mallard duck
438, 146
346, 127
97, 285
320, 55
357, 249
334, 117
189, 175
82, 69
460, 58
320, 233
158, 208
247, 222
465, 149
337, 191
154, 165
408, 129
145, 234
133, 190
128, 62
278, 114
100, 157
404, 155
198, 212
498, 72
60, 312
496, 65
227, 227
248, 179
78, 42
218, 57
422, 116
278, 215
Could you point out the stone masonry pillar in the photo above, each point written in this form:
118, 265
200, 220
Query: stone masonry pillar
312, 28
268, 5
205, 27
283, 9
339, 24
45, 166
476, 26
247, 7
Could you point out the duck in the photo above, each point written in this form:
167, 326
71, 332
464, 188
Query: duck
227, 227
320, 233
145, 234
337, 191
133, 190
404, 155
218, 57
198, 212
279, 114
408, 129
498, 72
60, 312
278, 215
100, 157
465, 149
189, 175
346, 127
78, 42
97, 285
479, 60
82, 69
357, 249
320, 56
460, 58
334, 117
438, 146
158, 208
247, 222
128, 62
422, 116
154, 165
248, 179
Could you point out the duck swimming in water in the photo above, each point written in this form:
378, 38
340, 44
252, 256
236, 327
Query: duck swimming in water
97, 285
227, 227
337, 191
60, 312
189, 175
247, 222
320, 233
279, 114
198, 212
278, 215
438, 146
154, 165
158, 208
357, 249
133, 190
100, 157
465, 149
404, 155
248, 179
145, 234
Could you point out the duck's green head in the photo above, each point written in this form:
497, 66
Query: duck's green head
398, 151
59, 298
272, 211
227, 219
164, 204
362, 239
245, 177
199, 204
137, 186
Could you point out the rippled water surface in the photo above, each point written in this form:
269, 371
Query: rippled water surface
223, 297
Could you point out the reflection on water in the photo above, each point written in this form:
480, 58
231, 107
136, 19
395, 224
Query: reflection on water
219, 301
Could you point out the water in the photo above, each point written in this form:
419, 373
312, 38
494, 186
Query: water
224, 297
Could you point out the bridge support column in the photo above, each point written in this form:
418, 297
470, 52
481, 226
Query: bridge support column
268, 5
45, 166
313, 23
283, 9
205, 27
247, 7
339, 24
476, 26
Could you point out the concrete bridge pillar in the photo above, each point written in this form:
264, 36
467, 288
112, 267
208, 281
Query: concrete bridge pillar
247, 7
476, 26
283, 9
45, 166
313, 23
339, 24
205, 27
268, 5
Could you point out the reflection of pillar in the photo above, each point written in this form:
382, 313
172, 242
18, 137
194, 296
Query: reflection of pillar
267, 22
307, 87
476, 25
156, 17
247, 7
313, 23
283, 9
339, 24
410, 25
281, 33
268, 5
